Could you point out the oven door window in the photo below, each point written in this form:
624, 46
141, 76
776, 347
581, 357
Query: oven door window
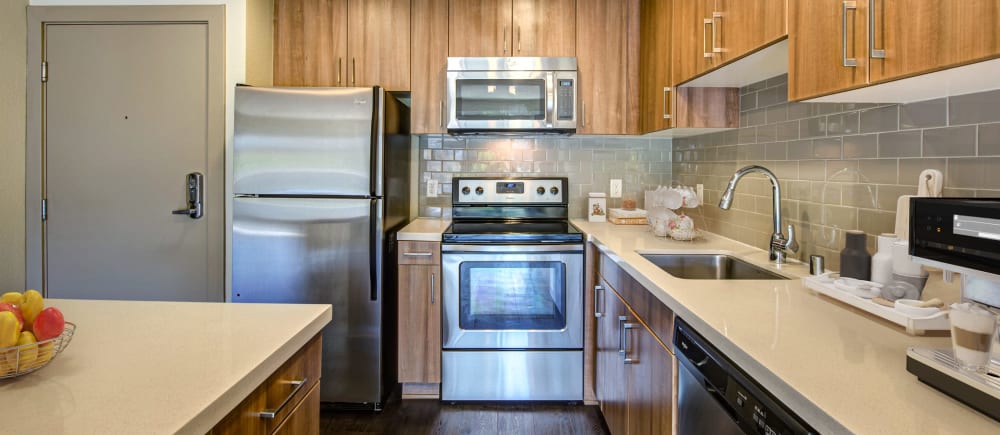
499, 99
512, 295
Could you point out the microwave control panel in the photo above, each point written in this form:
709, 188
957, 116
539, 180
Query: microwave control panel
564, 99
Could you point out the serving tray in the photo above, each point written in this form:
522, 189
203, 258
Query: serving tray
913, 325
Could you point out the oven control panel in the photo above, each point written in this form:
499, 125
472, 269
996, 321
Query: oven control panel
509, 191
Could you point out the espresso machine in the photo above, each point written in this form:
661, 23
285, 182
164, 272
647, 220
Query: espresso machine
960, 235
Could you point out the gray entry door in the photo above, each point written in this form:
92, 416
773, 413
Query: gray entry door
126, 118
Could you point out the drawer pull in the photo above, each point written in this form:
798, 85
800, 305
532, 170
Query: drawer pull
272, 413
417, 254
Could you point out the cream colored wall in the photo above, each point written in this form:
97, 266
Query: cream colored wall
13, 40
260, 49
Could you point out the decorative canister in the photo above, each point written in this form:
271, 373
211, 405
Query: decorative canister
855, 261
597, 206
882, 260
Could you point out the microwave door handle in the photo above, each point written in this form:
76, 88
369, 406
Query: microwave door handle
550, 99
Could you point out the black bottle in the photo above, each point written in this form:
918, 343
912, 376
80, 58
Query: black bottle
855, 261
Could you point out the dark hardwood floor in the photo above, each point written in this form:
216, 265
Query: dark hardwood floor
419, 417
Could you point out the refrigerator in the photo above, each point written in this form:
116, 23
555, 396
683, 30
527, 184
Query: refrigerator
321, 185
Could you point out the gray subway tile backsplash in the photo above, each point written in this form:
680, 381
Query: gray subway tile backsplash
841, 166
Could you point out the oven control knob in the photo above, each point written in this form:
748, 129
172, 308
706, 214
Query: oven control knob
554, 190
479, 190
541, 190
465, 190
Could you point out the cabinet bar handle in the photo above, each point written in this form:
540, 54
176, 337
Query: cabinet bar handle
874, 53
621, 335
340, 70
583, 114
518, 39
715, 28
272, 413
505, 38
417, 254
625, 329
666, 114
707, 22
354, 71
848, 61
441, 113
597, 312
432, 288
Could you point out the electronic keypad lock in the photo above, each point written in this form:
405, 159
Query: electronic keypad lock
195, 196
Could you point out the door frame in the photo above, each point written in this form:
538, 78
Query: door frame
40, 16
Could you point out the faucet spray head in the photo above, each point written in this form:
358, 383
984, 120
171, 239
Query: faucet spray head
727, 198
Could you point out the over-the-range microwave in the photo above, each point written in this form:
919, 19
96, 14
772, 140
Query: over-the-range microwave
511, 95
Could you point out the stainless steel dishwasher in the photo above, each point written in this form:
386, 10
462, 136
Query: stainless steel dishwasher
716, 397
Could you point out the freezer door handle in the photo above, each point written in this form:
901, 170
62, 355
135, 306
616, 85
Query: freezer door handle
195, 196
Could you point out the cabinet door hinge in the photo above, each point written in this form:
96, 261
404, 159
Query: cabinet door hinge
45, 71
45, 209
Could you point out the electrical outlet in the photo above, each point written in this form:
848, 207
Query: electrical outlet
432, 188
616, 188
700, 190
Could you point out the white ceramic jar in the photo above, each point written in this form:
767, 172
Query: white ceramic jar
882, 260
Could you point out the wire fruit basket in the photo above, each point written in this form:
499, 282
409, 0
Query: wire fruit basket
21, 360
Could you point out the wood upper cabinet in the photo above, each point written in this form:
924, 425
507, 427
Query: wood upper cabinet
342, 43
691, 39
429, 58
603, 67
917, 36
512, 28
746, 25
827, 49
655, 61
419, 314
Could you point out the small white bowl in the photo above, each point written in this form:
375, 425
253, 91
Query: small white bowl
910, 308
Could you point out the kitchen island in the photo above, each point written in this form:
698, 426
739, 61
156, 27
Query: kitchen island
156, 367
840, 369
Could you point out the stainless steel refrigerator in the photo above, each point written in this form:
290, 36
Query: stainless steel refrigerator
321, 183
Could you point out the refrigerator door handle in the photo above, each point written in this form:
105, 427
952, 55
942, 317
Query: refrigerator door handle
377, 144
375, 247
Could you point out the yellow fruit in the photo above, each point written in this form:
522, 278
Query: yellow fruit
10, 329
31, 304
45, 353
28, 352
13, 298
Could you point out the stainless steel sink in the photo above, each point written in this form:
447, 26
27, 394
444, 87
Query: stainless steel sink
709, 266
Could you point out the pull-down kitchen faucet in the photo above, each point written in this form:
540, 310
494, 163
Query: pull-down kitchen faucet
779, 244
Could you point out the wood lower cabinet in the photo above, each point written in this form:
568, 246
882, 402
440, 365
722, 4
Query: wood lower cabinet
635, 363
296, 406
512, 28
342, 43
419, 318
428, 61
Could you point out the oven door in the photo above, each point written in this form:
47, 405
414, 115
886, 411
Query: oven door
511, 100
512, 296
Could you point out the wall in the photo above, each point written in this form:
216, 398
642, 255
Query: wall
13, 40
590, 162
841, 166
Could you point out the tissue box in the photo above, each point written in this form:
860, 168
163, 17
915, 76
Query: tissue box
597, 206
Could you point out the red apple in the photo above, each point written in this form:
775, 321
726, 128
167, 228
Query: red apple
48, 324
14, 309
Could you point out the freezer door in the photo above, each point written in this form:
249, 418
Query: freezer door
304, 141
292, 250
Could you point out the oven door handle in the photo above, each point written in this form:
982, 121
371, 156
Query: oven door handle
512, 248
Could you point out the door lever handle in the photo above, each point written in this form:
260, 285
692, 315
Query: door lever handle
195, 196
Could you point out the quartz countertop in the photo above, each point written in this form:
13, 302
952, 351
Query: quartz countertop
155, 367
839, 368
424, 230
